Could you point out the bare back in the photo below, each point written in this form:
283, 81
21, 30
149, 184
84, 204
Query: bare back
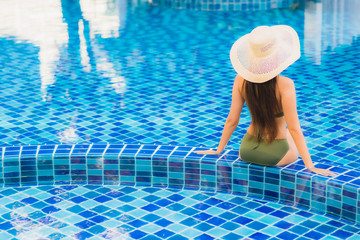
280, 121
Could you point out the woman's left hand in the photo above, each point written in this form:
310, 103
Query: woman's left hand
208, 152
324, 172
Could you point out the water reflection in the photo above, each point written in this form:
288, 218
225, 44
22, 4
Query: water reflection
105, 17
118, 233
69, 55
89, 51
64, 31
33, 21
88, 20
28, 229
329, 24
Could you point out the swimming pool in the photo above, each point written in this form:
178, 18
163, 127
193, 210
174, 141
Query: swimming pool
167, 192
114, 72
108, 212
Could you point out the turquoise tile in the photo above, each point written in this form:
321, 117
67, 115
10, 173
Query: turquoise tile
150, 228
162, 212
272, 231
111, 223
254, 215
169, 88
217, 232
177, 227
214, 211
73, 219
191, 233
267, 219
176, 217
244, 231
295, 219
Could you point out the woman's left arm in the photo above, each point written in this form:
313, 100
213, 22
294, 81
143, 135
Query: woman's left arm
237, 104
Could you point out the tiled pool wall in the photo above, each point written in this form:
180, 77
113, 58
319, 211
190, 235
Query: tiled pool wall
227, 5
180, 167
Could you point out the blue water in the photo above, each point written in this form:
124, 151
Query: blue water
138, 73
114, 212
126, 72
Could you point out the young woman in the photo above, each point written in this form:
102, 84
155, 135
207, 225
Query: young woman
258, 58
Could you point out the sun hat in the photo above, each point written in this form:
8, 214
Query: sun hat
265, 52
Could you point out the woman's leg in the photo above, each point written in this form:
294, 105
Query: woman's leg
292, 155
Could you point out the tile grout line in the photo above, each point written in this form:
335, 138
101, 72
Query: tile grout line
70, 174
141, 146
103, 165
2, 165
86, 164
36, 164
119, 162
311, 191
295, 188
248, 178
199, 171
232, 174
168, 166
216, 170
263, 188
20, 173
342, 200
279, 190
326, 195
53, 163
151, 162
357, 214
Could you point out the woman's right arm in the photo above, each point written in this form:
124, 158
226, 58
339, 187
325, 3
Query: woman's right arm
288, 101
237, 104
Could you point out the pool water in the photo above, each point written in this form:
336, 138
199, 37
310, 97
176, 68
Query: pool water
124, 212
115, 71
131, 72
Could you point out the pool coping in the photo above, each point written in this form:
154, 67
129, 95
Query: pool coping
180, 167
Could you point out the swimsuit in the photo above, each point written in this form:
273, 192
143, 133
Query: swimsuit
262, 153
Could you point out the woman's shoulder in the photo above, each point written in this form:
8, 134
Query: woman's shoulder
285, 80
285, 84
239, 79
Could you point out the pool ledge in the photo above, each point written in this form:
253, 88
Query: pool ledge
181, 167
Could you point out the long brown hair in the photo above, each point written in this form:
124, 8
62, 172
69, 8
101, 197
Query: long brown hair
263, 105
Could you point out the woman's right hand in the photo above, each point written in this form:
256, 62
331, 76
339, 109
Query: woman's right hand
321, 171
208, 152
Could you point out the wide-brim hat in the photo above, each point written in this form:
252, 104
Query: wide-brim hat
265, 52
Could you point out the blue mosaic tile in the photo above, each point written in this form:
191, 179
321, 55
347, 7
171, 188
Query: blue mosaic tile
91, 120
125, 119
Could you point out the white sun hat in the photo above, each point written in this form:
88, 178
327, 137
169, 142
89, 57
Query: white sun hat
265, 52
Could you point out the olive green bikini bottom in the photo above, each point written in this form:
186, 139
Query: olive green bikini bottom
262, 153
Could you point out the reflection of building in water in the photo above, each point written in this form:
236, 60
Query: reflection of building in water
105, 17
66, 34
63, 25
34, 21
329, 24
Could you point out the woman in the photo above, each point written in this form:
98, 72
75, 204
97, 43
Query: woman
258, 58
